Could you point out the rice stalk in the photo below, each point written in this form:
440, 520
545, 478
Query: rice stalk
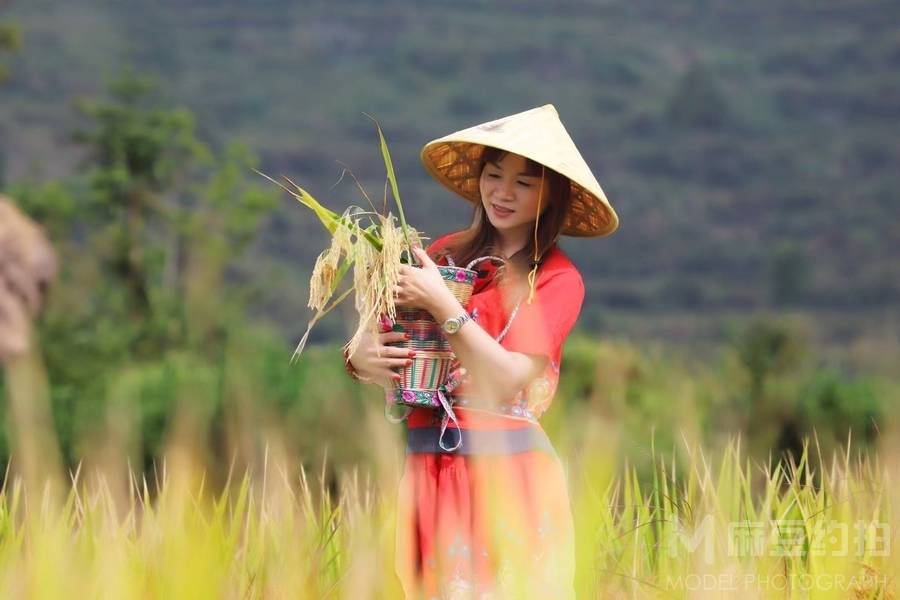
376, 253
394, 246
389, 167
319, 314
359, 186
329, 218
366, 299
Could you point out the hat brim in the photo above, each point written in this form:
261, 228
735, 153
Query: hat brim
456, 165
537, 134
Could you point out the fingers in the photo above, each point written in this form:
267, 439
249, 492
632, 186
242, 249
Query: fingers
404, 298
423, 259
398, 362
389, 356
384, 368
392, 337
393, 362
422, 256
385, 375
393, 352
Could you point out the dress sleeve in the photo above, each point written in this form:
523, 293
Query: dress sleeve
438, 244
540, 328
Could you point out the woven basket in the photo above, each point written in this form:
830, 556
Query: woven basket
460, 281
420, 382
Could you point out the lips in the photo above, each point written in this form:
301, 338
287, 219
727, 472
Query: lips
501, 211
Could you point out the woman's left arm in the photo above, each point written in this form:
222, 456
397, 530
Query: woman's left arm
497, 373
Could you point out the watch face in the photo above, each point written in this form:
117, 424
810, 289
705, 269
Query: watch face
451, 326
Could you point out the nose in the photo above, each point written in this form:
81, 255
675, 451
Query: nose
505, 190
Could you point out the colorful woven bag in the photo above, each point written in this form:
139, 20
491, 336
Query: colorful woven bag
424, 382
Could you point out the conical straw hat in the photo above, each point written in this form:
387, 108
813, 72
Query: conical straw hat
538, 134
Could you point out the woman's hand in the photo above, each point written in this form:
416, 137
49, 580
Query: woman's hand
421, 287
375, 360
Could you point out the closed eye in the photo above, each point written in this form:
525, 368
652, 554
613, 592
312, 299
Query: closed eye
523, 184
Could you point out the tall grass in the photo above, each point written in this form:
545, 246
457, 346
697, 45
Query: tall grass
818, 528
255, 520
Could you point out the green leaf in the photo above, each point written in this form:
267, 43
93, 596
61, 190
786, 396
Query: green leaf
389, 167
330, 219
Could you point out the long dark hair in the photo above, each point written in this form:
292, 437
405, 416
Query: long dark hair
481, 237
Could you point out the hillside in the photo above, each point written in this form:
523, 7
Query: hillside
749, 149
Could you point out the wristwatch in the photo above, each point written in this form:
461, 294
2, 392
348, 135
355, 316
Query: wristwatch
452, 325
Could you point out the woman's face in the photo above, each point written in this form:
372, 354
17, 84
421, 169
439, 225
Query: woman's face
510, 197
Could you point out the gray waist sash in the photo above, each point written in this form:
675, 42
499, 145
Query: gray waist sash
424, 440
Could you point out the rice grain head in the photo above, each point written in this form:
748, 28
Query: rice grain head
322, 280
374, 276
391, 251
365, 262
342, 241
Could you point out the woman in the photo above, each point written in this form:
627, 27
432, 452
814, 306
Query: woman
492, 516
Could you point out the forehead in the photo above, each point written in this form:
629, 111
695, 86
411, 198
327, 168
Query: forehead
511, 162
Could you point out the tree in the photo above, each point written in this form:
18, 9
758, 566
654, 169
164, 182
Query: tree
146, 234
137, 154
10, 41
788, 274
697, 101
771, 353
767, 348
159, 199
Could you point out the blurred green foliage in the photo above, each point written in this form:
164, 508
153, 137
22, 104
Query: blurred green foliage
147, 233
746, 152
723, 134
789, 272
149, 330
10, 41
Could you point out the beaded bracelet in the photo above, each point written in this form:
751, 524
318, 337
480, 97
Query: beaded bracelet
351, 370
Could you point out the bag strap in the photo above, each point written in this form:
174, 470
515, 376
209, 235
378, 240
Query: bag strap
512, 316
475, 261
515, 310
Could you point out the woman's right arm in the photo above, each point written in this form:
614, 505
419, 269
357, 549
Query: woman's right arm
375, 360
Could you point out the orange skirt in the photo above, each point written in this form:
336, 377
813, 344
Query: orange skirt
472, 525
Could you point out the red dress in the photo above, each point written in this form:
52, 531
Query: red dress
494, 517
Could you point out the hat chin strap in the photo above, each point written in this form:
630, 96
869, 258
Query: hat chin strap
532, 275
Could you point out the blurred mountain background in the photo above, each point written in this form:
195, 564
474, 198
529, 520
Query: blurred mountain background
750, 150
